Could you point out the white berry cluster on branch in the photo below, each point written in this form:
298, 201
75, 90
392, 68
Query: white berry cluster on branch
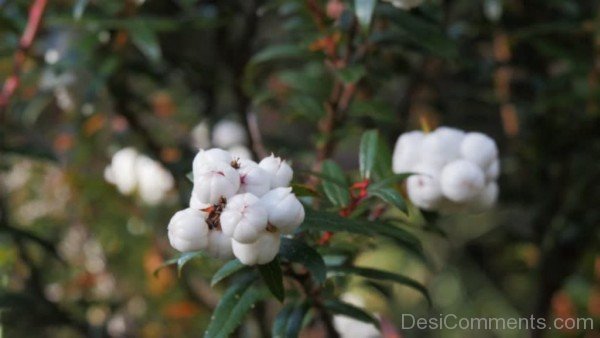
456, 171
238, 208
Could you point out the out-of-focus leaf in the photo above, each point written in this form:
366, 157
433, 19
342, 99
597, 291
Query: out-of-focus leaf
364, 12
389, 181
390, 196
79, 8
351, 74
301, 190
349, 310
232, 308
324, 221
180, 261
297, 251
273, 278
279, 52
227, 270
281, 320
368, 152
384, 276
337, 195
294, 324
339, 181
145, 40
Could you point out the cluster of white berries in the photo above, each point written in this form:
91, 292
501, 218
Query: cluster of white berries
226, 134
457, 171
238, 208
133, 172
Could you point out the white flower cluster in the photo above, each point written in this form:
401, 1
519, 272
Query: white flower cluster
457, 171
131, 171
238, 208
226, 134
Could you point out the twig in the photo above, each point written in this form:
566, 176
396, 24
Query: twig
36, 12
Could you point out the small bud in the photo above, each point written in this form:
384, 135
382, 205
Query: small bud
253, 179
227, 133
462, 180
424, 189
219, 245
244, 219
262, 251
441, 146
215, 180
406, 151
188, 230
479, 149
210, 156
281, 173
285, 211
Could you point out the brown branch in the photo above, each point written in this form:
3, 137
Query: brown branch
36, 12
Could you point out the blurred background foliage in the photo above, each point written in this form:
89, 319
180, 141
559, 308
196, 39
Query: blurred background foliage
77, 258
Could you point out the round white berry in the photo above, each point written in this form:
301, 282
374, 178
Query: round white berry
441, 146
241, 152
123, 170
485, 199
262, 251
209, 156
215, 180
424, 188
479, 149
196, 204
461, 180
285, 211
227, 133
281, 173
244, 219
406, 151
219, 245
199, 136
188, 230
154, 181
493, 171
253, 179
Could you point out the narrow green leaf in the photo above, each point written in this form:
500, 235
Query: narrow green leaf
368, 152
145, 39
279, 52
180, 261
273, 277
364, 12
227, 270
383, 162
297, 251
389, 181
233, 307
324, 221
294, 325
281, 320
337, 195
385, 276
390, 196
349, 310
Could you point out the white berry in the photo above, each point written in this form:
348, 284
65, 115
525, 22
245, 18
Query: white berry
462, 180
215, 180
262, 251
123, 170
244, 219
281, 173
486, 198
284, 209
219, 245
188, 230
479, 149
227, 133
406, 151
253, 179
424, 189
441, 146
210, 156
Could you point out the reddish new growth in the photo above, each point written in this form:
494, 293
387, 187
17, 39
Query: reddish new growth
358, 192
214, 214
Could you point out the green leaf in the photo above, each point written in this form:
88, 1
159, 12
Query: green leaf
273, 277
294, 325
281, 320
390, 196
364, 12
368, 152
349, 310
383, 162
339, 181
145, 39
279, 52
304, 190
180, 261
337, 195
227, 270
390, 181
385, 276
324, 221
351, 74
232, 308
297, 251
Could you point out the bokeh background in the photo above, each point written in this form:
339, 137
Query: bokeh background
77, 256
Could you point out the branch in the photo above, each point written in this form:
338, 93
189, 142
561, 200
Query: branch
36, 12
